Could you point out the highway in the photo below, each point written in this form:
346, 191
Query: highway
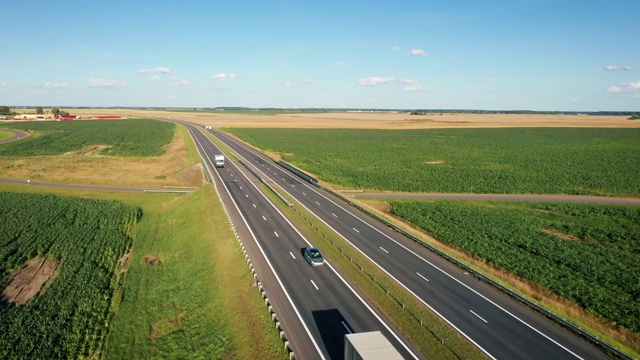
495, 323
315, 305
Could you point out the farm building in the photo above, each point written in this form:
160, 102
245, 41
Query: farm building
66, 117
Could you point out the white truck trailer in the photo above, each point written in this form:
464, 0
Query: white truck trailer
369, 346
219, 160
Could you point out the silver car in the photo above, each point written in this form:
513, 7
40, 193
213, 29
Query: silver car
313, 256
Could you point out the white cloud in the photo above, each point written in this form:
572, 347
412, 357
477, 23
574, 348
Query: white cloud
417, 52
341, 63
413, 88
105, 83
162, 70
409, 81
374, 81
394, 48
48, 85
625, 87
616, 68
154, 77
223, 76
489, 80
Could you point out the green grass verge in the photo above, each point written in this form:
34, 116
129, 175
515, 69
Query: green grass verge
197, 301
193, 157
432, 336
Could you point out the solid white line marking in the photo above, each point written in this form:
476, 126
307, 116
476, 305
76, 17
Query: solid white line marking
356, 230
265, 219
381, 248
304, 193
346, 327
479, 317
276, 234
334, 215
292, 254
317, 203
314, 285
422, 276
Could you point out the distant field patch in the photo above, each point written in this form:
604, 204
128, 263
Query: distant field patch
589, 254
59, 271
5, 134
517, 160
124, 138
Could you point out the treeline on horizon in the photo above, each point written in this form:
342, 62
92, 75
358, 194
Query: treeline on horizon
412, 111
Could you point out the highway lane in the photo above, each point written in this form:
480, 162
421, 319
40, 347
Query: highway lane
494, 322
326, 305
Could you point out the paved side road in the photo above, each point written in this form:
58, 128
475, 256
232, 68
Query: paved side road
17, 135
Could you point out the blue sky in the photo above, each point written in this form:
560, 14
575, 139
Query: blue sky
426, 54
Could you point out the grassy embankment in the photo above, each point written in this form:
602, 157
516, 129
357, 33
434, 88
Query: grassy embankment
193, 301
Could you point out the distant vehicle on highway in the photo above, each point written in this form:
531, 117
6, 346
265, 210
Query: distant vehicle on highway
219, 160
313, 256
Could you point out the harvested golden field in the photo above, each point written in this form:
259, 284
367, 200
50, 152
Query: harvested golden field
378, 120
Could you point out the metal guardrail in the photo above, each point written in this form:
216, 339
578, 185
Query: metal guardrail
609, 349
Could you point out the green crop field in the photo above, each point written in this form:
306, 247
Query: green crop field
532, 160
589, 254
85, 238
132, 137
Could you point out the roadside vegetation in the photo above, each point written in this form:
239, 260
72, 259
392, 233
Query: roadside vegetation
61, 262
188, 292
532, 160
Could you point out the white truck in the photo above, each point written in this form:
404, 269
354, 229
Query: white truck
369, 346
219, 160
